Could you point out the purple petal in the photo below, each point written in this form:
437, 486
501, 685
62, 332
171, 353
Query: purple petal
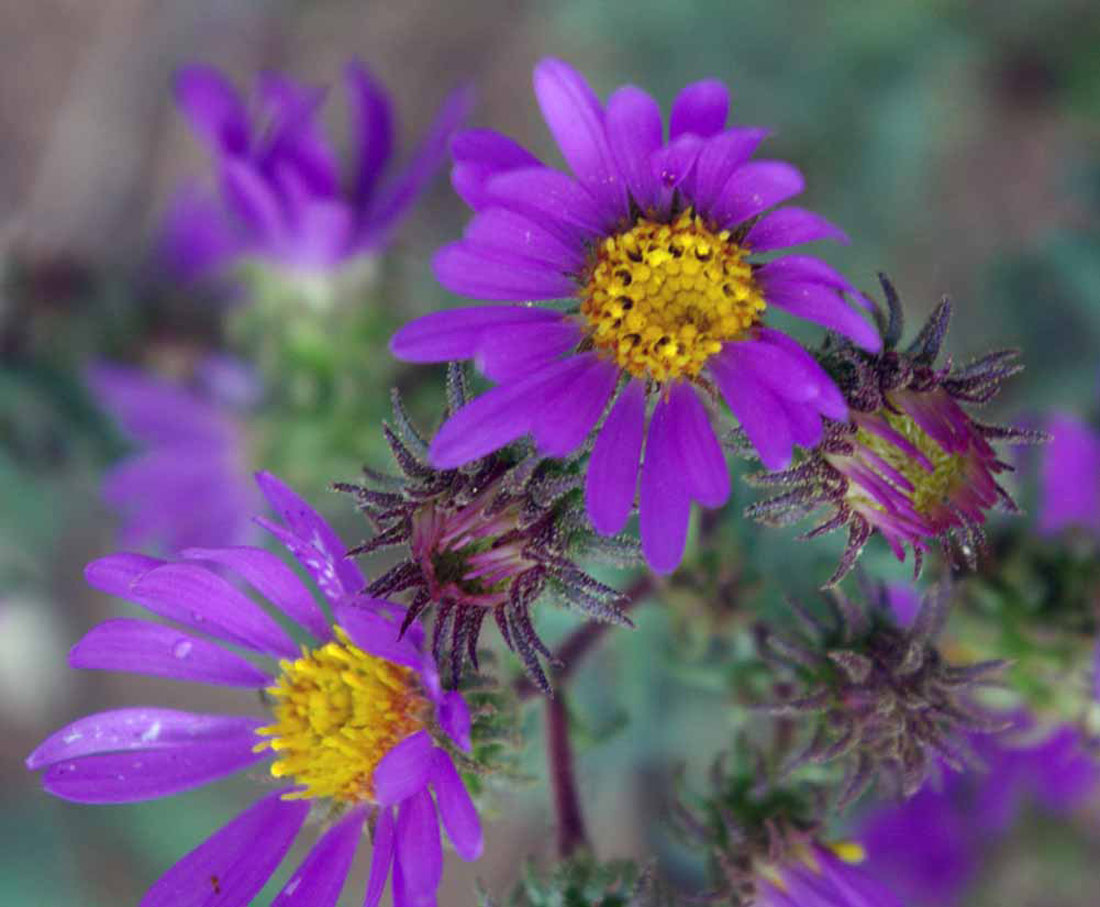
115, 574
130, 777
482, 274
425, 161
404, 770
825, 306
701, 108
1069, 490
479, 156
552, 198
373, 130
671, 166
374, 633
718, 158
456, 809
753, 188
319, 879
141, 647
512, 353
803, 420
703, 467
574, 116
904, 603
213, 108
454, 718
791, 374
496, 418
613, 467
634, 132
230, 867
419, 849
803, 269
571, 407
273, 580
138, 729
195, 238
251, 198
791, 227
381, 857
829, 400
198, 598
513, 237
664, 505
311, 540
757, 409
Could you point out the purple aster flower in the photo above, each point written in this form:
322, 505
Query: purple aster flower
1070, 476
283, 196
358, 723
652, 242
912, 465
930, 848
189, 482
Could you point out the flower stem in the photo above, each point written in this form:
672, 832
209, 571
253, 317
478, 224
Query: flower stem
563, 782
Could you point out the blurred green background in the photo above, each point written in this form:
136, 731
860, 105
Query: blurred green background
957, 143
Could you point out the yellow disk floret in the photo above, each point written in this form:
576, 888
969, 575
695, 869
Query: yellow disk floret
662, 298
337, 712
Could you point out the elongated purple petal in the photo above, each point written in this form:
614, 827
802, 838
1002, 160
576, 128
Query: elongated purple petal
823, 305
456, 809
253, 201
634, 132
141, 647
511, 353
273, 580
479, 156
374, 633
419, 848
575, 117
552, 198
115, 574
755, 187
213, 108
514, 237
198, 598
700, 108
755, 406
130, 777
318, 881
1070, 492
381, 857
803, 269
718, 158
373, 130
454, 718
791, 227
230, 867
612, 476
123, 730
664, 505
456, 334
311, 540
404, 770
673, 165
703, 467
829, 400
572, 406
195, 238
486, 275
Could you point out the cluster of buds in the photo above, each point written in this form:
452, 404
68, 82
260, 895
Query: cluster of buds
490, 537
912, 464
887, 702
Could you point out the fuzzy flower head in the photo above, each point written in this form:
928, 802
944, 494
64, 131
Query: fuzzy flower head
284, 200
358, 730
651, 242
912, 465
189, 484
487, 539
768, 848
885, 701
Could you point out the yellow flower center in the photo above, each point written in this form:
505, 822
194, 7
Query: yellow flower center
662, 298
337, 712
931, 490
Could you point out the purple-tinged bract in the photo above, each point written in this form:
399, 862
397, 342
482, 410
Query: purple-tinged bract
487, 539
358, 722
284, 198
652, 240
912, 464
189, 485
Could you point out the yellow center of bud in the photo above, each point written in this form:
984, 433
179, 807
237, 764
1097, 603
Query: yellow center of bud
337, 712
662, 298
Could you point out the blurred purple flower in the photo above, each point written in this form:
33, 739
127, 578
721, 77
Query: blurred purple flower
652, 239
823, 876
283, 196
931, 847
1070, 476
190, 483
350, 727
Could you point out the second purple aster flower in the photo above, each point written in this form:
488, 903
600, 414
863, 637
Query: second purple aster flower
651, 240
